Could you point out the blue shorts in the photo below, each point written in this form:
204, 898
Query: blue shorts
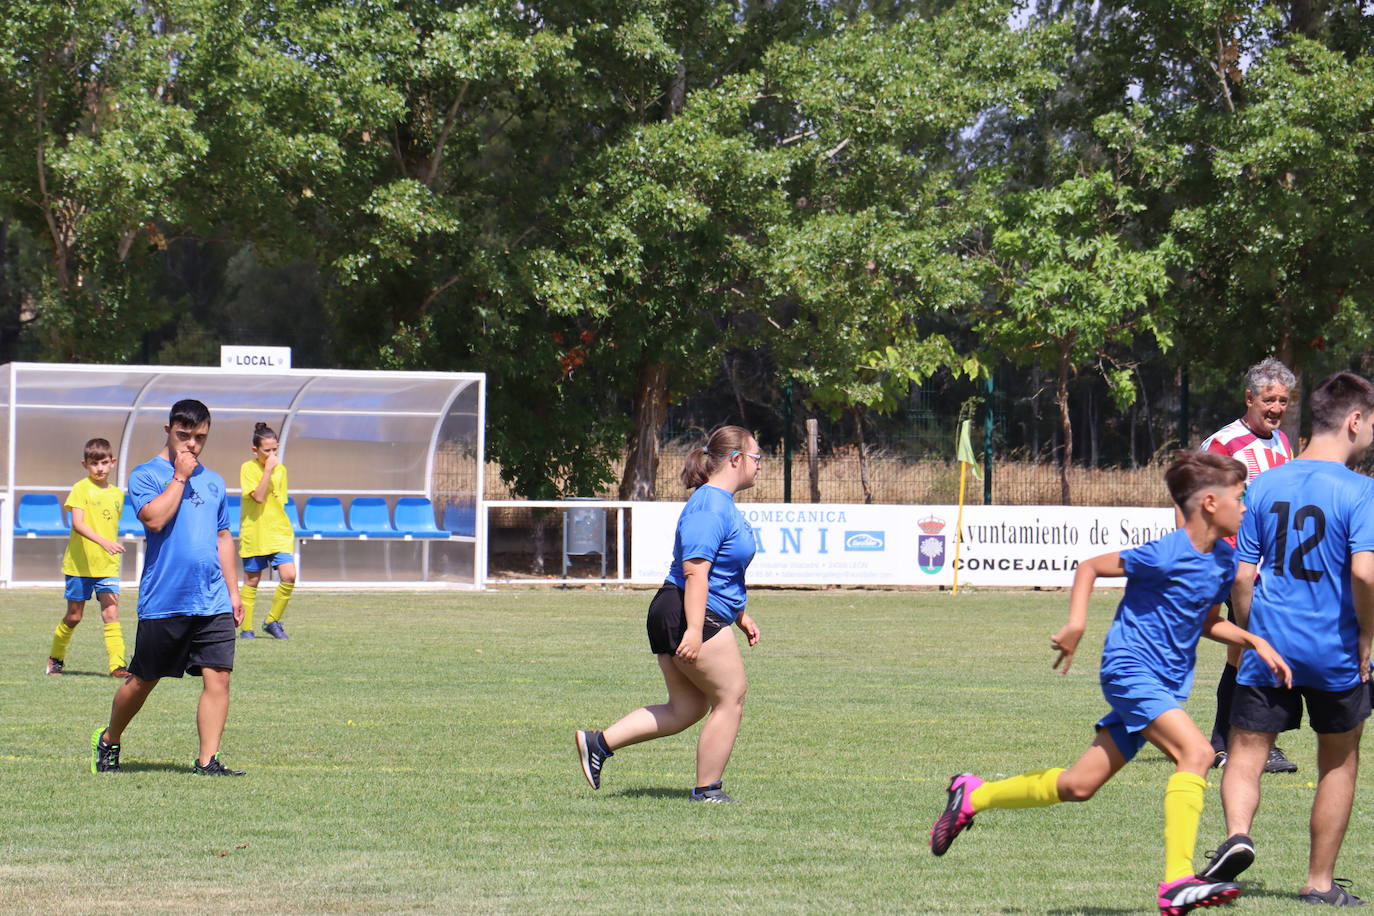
80, 588
258, 564
1137, 698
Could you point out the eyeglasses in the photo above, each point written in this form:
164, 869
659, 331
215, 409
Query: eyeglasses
757, 456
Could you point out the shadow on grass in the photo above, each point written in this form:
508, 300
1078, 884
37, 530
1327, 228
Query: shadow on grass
1087, 911
155, 768
1259, 889
103, 675
651, 792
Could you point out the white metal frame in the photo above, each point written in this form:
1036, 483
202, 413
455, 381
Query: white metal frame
618, 505
462, 382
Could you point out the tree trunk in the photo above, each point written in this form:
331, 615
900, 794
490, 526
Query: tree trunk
863, 456
1093, 412
813, 461
651, 411
1061, 397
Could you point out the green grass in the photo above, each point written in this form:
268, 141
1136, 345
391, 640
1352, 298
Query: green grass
413, 753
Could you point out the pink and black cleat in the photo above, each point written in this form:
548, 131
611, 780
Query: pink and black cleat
1192, 892
958, 813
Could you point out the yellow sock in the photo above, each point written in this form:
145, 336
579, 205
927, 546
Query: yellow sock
1035, 789
249, 595
61, 638
114, 644
279, 600
1182, 812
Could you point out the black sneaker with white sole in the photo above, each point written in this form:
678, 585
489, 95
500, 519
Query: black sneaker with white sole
712, 793
593, 757
1338, 895
214, 768
1230, 859
1277, 763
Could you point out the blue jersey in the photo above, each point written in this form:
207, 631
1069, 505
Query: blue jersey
712, 528
181, 571
1170, 588
1303, 521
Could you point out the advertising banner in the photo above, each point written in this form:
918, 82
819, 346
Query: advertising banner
911, 545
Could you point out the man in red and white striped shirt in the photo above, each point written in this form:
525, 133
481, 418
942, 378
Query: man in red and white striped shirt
1256, 441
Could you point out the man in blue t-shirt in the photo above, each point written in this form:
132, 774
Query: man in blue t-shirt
1310, 523
188, 597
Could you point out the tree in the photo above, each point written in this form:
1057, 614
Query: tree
1072, 283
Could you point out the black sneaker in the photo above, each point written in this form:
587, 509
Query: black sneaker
1277, 763
592, 756
104, 757
1338, 895
214, 768
713, 793
1230, 859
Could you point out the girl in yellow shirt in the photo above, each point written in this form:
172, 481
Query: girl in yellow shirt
266, 537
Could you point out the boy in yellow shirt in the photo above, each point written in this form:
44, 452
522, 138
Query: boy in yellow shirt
266, 536
91, 562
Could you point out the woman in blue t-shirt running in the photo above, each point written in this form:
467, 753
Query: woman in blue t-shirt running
703, 595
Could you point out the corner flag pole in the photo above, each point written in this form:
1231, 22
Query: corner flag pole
959, 525
964, 451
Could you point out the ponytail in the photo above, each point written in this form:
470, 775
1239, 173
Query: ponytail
694, 469
703, 461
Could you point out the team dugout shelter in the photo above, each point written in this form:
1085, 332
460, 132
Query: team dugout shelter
384, 468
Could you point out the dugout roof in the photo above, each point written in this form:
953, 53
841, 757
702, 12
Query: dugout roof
343, 433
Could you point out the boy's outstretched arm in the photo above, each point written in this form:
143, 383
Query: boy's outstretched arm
1065, 642
1362, 585
1224, 631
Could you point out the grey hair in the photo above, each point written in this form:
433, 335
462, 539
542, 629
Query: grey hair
1268, 372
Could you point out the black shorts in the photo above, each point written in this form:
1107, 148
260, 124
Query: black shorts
668, 620
1278, 709
173, 646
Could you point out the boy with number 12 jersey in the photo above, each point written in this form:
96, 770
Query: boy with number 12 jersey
1311, 524
1306, 518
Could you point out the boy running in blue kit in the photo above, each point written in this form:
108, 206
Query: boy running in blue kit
1310, 529
1174, 589
188, 598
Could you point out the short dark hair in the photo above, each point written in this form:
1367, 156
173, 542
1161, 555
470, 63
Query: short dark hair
96, 449
1194, 471
188, 414
1334, 399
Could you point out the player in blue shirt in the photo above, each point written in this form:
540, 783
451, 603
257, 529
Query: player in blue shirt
188, 598
702, 597
1310, 529
1174, 590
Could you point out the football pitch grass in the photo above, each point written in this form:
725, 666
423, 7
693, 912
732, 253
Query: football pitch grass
412, 752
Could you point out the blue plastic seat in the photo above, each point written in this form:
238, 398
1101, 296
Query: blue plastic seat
129, 523
461, 520
369, 515
294, 517
415, 517
234, 506
324, 517
40, 514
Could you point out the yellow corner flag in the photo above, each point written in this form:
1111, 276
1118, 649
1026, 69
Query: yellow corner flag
964, 450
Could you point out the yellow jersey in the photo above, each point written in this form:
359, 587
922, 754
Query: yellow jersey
263, 526
100, 507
